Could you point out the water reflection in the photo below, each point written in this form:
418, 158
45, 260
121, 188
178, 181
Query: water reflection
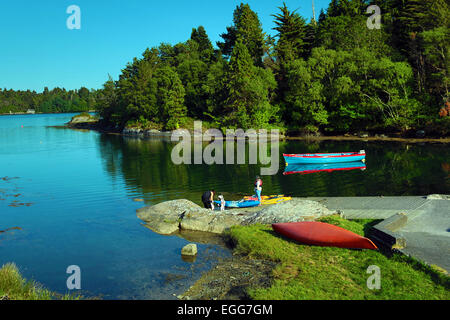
392, 169
325, 167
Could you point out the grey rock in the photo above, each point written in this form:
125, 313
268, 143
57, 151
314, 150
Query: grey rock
438, 197
363, 135
165, 217
210, 221
172, 216
140, 133
290, 211
420, 134
189, 250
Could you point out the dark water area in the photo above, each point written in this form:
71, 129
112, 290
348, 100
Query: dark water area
72, 194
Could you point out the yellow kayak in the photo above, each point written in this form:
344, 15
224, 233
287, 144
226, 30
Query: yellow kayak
270, 199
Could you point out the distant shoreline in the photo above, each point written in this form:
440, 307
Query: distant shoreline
373, 139
36, 113
142, 134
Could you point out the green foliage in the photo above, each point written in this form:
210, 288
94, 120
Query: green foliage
54, 101
436, 48
420, 32
248, 28
205, 48
170, 97
333, 76
248, 88
291, 29
342, 90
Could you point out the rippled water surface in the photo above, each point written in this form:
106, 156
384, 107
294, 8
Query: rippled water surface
72, 195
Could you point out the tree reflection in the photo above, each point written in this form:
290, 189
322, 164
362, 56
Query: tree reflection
146, 168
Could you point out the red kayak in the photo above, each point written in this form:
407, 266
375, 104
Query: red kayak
323, 234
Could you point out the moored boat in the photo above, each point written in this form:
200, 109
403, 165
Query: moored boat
323, 234
324, 157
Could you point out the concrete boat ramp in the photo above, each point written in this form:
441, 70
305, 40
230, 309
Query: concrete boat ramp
418, 226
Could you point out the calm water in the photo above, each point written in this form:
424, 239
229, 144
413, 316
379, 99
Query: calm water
72, 194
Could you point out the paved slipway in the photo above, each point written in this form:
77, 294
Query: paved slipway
415, 225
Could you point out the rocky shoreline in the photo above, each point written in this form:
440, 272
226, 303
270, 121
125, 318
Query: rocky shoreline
231, 277
416, 137
178, 215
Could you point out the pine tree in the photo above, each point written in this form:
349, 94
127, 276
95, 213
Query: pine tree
193, 70
291, 45
170, 97
418, 26
248, 27
205, 47
248, 88
291, 35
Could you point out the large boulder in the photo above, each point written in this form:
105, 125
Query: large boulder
438, 197
165, 217
210, 221
172, 216
290, 211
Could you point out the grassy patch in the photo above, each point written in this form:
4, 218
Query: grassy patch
84, 117
14, 287
312, 272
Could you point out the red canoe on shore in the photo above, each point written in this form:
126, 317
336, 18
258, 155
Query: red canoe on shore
323, 234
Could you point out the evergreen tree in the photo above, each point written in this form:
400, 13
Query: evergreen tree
248, 27
215, 90
290, 46
205, 47
248, 88
193, 71
420, 26
291, 35
170, 97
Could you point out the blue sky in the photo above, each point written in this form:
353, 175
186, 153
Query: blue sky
38, 50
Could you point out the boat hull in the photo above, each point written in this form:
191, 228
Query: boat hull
323, 234
323, 167
316, 158
238, 204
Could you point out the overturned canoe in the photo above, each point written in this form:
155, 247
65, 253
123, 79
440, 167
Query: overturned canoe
323, 234
323, 167
304, 158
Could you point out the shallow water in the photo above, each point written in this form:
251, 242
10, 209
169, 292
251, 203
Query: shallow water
72, 194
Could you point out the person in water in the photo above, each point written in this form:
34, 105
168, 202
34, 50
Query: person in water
258, 188
207, 199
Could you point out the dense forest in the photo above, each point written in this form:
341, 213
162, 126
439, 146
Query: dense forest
332, 74
49, 101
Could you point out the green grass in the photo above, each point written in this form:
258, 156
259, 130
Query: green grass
14, 287
313, 272
85, 115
